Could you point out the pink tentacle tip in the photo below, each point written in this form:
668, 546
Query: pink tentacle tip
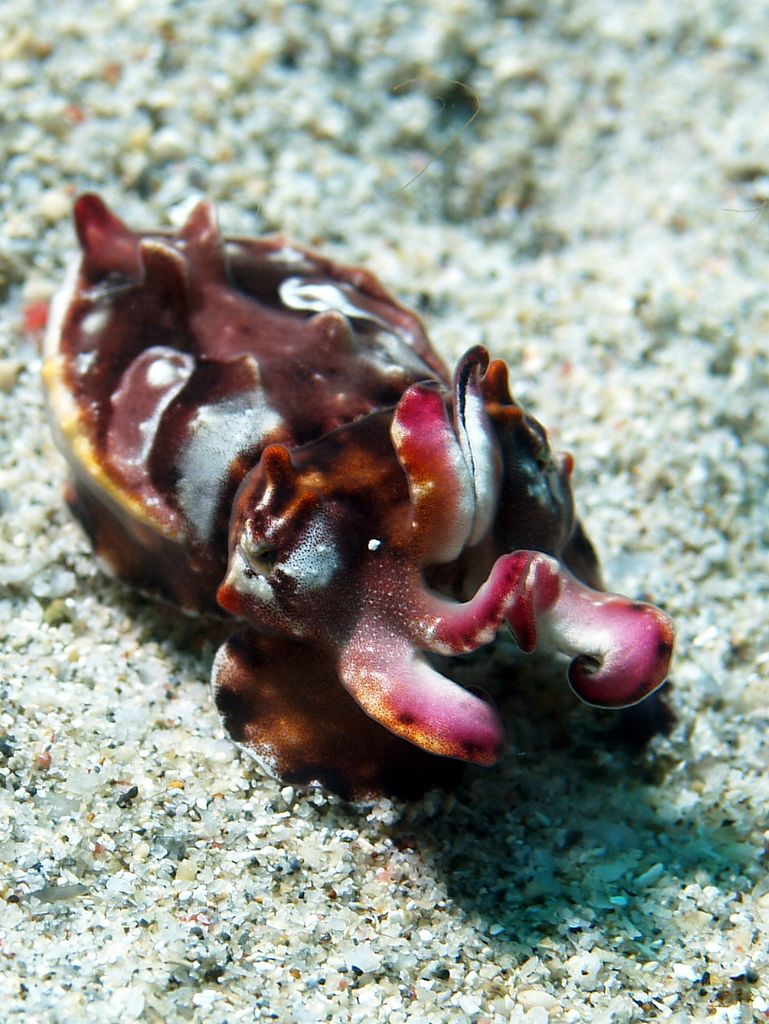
634, 665
621, 648
397, 687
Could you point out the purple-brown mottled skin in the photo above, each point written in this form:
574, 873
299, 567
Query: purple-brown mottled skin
256, 429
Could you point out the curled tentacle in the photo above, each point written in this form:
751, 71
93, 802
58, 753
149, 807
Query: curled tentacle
621, 648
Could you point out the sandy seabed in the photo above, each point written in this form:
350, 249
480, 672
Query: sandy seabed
601, 223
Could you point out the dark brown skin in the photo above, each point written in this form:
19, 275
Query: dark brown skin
287, 719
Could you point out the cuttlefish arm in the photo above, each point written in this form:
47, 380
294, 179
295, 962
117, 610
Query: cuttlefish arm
620, 651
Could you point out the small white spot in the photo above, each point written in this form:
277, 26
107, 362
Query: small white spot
374, 544
162, 373
94, 322
422, 488
84, 362
286, 254
296, 293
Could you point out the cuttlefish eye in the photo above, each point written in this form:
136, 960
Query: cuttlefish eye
259, 555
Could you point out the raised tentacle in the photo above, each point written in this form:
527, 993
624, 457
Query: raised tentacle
443, 626
477, 439
439, 482
453, 469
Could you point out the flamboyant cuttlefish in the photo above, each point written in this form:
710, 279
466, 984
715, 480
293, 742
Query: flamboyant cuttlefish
254, 428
